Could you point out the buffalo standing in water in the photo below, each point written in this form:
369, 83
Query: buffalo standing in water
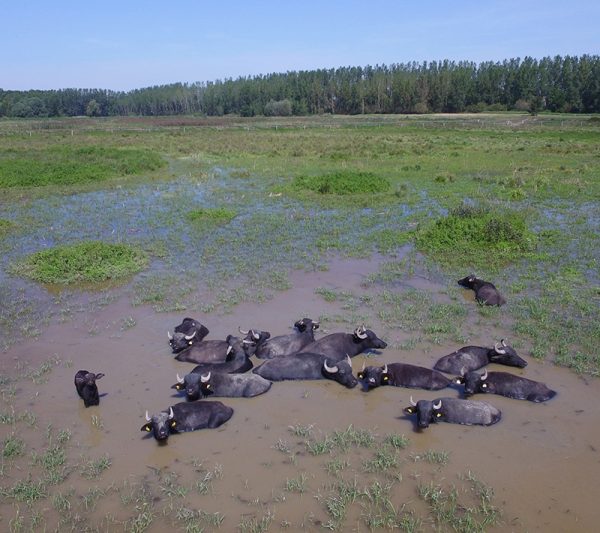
485, 292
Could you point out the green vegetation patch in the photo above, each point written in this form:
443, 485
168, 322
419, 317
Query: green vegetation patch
5, 226
476, 234
343, 183
67, 165
90, 261
211, 215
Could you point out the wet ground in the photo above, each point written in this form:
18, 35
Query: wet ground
541, 460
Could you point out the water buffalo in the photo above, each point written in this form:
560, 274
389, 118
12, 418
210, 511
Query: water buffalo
337, 346
237, 361
85, 383
474, 357
485, 292
505, 384
402, 375
187, 333
211, 351
219, 384
307, 366
186, 416
268, 348
453, 410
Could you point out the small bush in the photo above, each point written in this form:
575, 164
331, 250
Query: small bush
89, 261
342, 183
475, 234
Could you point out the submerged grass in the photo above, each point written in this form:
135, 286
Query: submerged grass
82, 262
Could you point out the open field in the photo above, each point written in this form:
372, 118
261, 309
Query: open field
257, 223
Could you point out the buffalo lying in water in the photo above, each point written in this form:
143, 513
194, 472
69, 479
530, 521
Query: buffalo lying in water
485, 292
474, 357
505, 384
454, 411
402, 375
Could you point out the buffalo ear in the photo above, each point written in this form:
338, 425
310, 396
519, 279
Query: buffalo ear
146, 427
410, 410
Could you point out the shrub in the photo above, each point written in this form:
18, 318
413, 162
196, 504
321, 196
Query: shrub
476, 233
88, 261
211, 215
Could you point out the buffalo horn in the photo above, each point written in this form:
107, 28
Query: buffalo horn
229, 348
385, 369
438, 405
255, 335
332, 369
498, 349
179, 380
246, 341
349, 361
484, 375
503, 343
169, 335
171, 413
148, 419
412, 402
363, 367
361, 332
190, 337
242, 331
204, 377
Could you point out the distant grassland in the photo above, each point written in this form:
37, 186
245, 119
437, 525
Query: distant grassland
70, 165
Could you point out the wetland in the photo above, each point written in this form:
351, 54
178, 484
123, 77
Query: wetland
257, 223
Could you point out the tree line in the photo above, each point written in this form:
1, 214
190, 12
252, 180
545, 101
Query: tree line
565, 84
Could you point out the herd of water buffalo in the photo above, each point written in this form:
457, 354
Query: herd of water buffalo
223, 370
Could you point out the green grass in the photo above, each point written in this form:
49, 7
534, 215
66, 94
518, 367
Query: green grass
214, 215
69, 165
342, 183
477, 235
83, 262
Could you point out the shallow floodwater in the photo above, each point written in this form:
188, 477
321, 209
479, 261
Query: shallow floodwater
541, 460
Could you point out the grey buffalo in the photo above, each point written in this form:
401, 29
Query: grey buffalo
219, 384
186, 416
505, 384
402, 375
307, 366
85, 383
485, 292
337, 346
474, 357
236, 362
190, 331
282, 345
453, 410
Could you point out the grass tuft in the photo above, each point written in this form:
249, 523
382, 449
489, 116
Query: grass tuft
88, 261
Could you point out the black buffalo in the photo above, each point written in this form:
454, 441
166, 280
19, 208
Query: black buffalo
474, 357
187, 417
198, 386
485, 292
337, 346
236, 362
402, 375
453, 410
85, 383
187, 333
505, 384
282, 345
211, 351
307, 366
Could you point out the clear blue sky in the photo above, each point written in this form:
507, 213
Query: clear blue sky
129, 44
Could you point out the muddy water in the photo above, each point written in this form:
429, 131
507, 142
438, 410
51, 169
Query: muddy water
542, 460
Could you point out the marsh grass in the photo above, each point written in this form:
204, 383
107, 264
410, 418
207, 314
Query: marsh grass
83, 262
475, 234
211, 215
69, 165
343, 183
